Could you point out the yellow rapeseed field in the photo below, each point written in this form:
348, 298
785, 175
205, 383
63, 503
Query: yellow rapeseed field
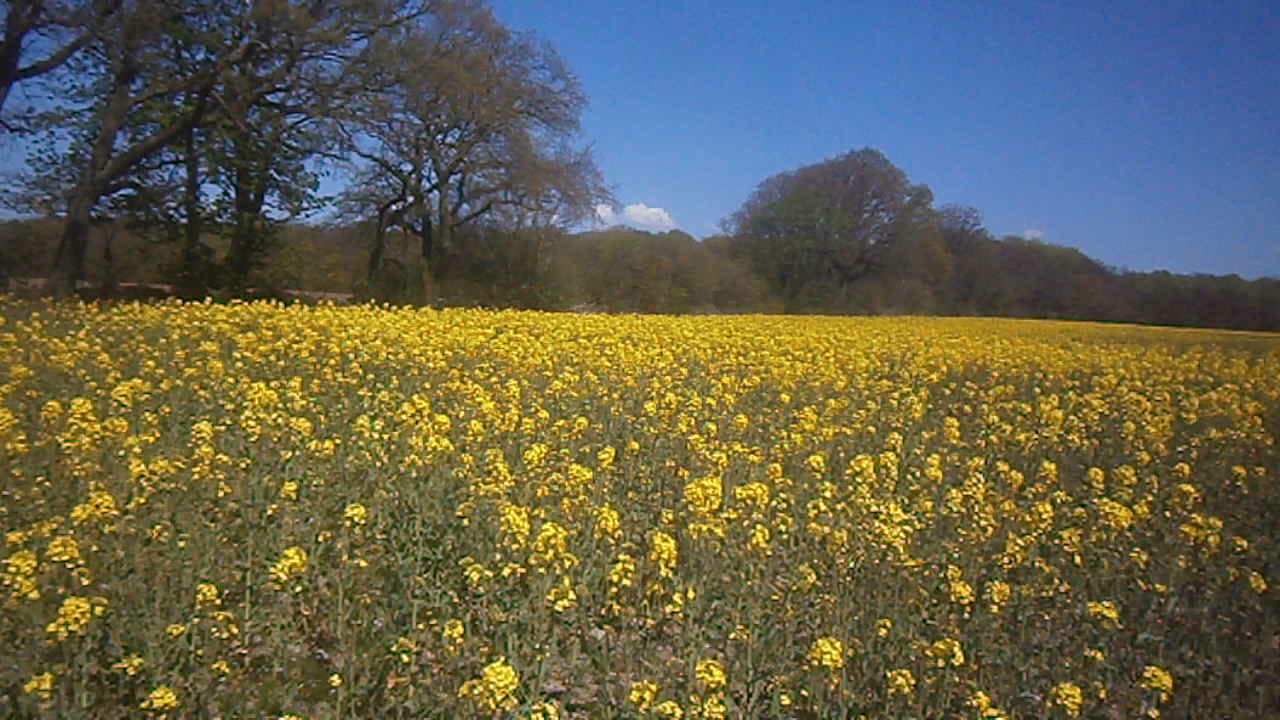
253, 510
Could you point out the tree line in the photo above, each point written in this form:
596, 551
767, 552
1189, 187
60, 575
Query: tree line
184, 142
621, 269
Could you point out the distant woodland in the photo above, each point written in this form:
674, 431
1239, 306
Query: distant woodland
624, 270
181, 143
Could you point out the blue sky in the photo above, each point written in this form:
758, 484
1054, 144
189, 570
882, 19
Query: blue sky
1147, 134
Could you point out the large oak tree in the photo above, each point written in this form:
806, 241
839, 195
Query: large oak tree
825, 227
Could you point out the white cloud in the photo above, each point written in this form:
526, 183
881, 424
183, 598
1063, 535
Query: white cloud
637, 215
1033, 234
606, 215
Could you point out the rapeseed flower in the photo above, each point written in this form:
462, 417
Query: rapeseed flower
669, 709
356, 514
495, 688
1158, 679
293, 560
827, 652
74, 616
643, 693
1069, 697
711, 674
453, 632
161, 698
41, 684
562, 597
664, 552
901, 681
207, 595
63, 549
1106, 611
946, 650
981, 702
129, 665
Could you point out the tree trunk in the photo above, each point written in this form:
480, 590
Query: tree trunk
376, 250
238, 255
110, 288
387, 216
68, 266
247, 241
194, 280
425, 267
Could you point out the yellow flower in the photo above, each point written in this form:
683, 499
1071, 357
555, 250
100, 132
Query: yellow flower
292, 561
562, 597
1069, 697
1107, 611
998, 593
711, 674
663, 551
1257, 582
817, 463
883, 626
23, 562
944, 651
959, 590
981, 702
453, 632
623, 572
713, 707
161, 698
605, 456
806, 578
901, 681
175, 630
827, 652
41, 685
608, 522
405, 648
63, 549
669, 709
643, 693
130, 665
20, 575
207, 595
704, 495
759, 538
289, 490
74, 615
495, 688
356, 514
514, 521
753, 493
550, 546
335, 680
1158, 679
